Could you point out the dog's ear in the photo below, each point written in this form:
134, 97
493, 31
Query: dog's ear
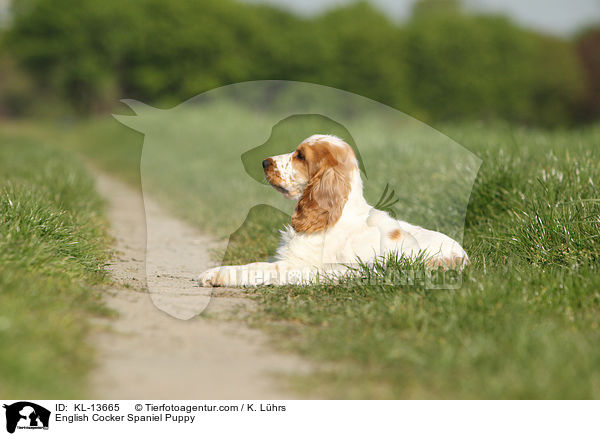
323, 200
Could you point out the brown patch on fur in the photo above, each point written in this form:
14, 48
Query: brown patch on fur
325, 195
395, 234
301, 164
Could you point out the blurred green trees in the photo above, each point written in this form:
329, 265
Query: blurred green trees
443, 64
588, 48
485, 66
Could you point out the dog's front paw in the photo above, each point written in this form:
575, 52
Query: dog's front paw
211, 277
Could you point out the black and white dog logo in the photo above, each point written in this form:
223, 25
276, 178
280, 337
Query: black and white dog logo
26, 415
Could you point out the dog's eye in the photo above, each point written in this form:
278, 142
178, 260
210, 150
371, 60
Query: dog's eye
299, 155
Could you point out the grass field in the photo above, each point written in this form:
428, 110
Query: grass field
525, 322
52, 251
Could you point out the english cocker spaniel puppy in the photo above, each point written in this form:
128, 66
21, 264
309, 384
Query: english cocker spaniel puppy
332, 225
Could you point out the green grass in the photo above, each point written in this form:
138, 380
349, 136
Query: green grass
52, 252
525, 322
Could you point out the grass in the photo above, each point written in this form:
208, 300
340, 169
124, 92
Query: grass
52, 252
525, 322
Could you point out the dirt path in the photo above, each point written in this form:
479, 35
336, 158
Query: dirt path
146, 353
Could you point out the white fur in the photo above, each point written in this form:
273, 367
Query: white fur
362, 232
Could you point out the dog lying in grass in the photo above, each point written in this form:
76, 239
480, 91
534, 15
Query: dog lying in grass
332, 226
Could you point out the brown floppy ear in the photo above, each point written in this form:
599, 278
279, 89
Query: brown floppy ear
322, 202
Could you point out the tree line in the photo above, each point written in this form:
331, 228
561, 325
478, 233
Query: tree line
441, 64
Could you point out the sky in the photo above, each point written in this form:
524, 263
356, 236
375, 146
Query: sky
553, 16
3, 11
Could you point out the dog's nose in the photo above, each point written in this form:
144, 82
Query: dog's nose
266, 163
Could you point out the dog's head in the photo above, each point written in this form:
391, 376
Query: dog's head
318, 175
